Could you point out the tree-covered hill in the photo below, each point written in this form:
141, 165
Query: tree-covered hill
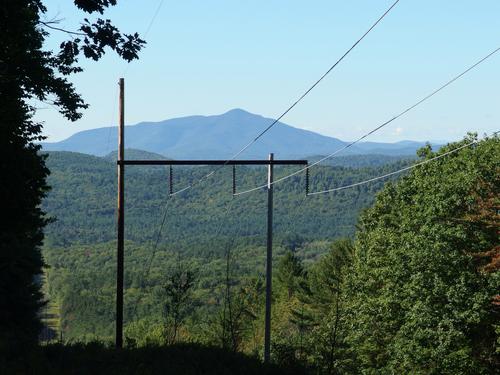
416, 292
201, 226
83, 201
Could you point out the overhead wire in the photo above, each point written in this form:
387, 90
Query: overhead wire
159, 232
227, 296
149, 263
113, 117
274, 122
147, 30
153, 19
158, 237
402, 169
400, 114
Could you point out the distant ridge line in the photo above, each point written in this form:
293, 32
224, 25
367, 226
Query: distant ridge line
178, 138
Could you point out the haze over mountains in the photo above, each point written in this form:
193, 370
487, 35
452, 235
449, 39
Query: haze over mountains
220, 137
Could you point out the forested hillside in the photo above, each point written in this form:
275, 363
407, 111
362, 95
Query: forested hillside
83, 201
415, 289
377, 258
201, 227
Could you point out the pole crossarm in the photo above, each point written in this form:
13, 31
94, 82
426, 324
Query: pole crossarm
212, 162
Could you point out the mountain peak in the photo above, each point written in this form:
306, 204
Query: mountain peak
238, 112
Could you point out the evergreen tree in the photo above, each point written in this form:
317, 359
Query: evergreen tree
289, 273
288, 329
177, 292
322, 312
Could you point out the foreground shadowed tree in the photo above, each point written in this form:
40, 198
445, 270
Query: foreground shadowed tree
28, 73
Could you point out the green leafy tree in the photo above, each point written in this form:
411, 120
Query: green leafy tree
421, 303
28, 73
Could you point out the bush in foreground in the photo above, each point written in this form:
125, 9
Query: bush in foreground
96, 358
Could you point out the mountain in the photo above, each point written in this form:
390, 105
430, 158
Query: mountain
220, 137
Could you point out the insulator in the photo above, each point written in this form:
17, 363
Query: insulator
171, 180
307, 181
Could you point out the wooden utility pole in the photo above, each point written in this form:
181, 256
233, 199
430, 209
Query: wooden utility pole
121, 164
269, 260
121, 222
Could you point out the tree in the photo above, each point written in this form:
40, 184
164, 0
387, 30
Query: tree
318, 308
29, 73
240, 306
177, 300
421, 303
288, 327
326, 297
289, 273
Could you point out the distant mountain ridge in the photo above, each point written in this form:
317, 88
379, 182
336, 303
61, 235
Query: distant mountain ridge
220, 137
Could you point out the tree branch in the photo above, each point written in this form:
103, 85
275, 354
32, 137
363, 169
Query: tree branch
47, 24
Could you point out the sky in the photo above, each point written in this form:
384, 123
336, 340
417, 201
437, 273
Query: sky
207, 57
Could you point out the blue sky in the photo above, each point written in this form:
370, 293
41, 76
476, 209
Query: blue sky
207, 57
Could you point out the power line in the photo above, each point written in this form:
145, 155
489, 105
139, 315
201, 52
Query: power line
153, 19
158, 237
400, 114
400, 170
229, 204
315, 83
148, 29
112, 121
149, 263
150, 25
274, 122
111, 127
163, 223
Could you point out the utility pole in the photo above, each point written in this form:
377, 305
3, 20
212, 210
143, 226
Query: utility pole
121, 222
269, 260
270, 163
120, 245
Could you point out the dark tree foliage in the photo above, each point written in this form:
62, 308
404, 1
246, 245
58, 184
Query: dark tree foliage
28, 73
